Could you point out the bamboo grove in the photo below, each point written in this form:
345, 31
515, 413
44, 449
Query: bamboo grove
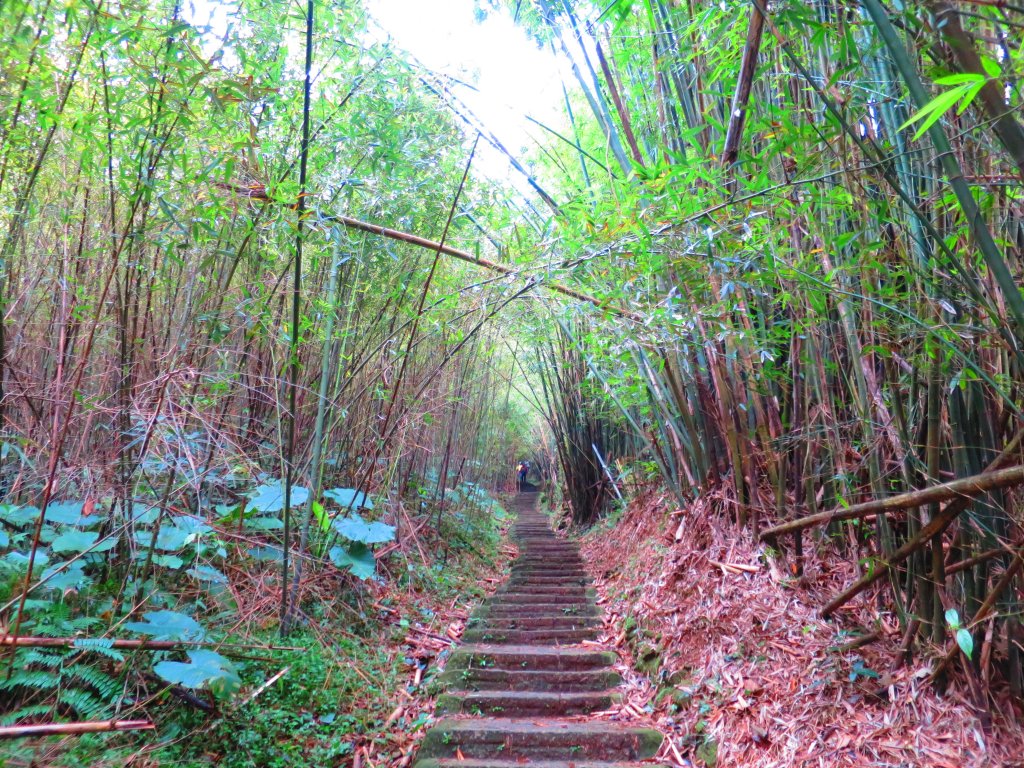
188, 324
773, 256
813, 212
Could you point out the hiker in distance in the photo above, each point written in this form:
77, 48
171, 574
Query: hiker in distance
522, 471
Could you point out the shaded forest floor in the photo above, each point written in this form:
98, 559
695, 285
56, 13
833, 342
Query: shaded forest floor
356, 691
730, 659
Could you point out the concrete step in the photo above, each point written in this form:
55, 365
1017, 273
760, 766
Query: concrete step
577, 592
531, 582
539, 610
533, 622
512, 679
529, 657
530, 636
538, 739
525, 703
532, 598
456, 763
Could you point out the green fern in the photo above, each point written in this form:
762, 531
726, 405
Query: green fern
27, 713
101, 645
109, 688
84, 704
42, 658
31, 678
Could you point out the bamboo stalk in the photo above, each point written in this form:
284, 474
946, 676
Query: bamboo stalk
74, 729
967, 486
748, 65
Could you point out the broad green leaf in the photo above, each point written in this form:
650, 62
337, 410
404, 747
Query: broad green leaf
70, 513
170, 538
953, 618
356, 528
74, 541
168, 625
206, 668
144, 514
349, 498
207, 573
265, 524
270, 497
268, 553
168, 561
73, 577
18, 516
20, 560
5, 540
355, 557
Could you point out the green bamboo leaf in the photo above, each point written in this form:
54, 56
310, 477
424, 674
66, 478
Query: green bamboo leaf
960, 79
973, 91
933, 111
966, 642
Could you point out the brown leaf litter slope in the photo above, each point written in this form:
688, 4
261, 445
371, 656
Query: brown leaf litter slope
742, 672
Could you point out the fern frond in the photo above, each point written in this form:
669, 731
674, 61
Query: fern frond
84, 704
100, 645
30, 678
26, 713
106, 686
42, 658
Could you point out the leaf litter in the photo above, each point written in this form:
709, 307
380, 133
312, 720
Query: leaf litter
740, 669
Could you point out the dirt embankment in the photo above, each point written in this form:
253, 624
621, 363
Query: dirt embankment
736, 666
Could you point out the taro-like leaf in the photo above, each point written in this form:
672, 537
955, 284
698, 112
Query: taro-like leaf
348, 498
170, 538
70, 513
73, 577
168, 561
270, 497
20, 559
355, 557
207, 573
356, 528
205, 669
18, 516
267, 553
144, 514
5, 540
73, 540
168, 625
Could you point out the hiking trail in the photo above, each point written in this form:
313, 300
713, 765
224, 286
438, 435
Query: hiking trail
520, 686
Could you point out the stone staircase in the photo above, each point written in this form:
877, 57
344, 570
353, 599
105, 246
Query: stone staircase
521, 685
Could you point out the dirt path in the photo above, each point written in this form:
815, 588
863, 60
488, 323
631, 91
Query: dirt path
523, 682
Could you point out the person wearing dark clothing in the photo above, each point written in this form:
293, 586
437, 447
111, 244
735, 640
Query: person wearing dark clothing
522, 471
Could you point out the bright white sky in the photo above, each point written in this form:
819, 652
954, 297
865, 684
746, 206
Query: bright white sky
512, 76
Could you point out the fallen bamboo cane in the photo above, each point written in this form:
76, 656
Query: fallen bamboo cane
926, 534
24, 641
73, 729
975, 485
